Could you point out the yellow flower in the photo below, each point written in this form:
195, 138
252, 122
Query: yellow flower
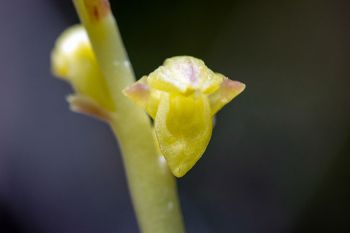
182, 97
73, 60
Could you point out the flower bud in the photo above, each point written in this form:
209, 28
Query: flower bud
73, 60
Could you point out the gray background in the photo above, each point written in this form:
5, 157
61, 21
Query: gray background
279, 157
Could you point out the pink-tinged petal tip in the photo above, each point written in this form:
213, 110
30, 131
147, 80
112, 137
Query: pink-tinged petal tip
86, 105
138, 92
230, 86
228, 90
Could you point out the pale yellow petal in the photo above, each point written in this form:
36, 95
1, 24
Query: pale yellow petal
144, 96
139, 92
228, 90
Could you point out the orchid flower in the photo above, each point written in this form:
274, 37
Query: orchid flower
182, 97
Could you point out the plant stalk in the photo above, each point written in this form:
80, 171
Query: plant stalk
152, 186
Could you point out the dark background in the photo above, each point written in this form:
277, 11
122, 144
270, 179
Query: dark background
279, 159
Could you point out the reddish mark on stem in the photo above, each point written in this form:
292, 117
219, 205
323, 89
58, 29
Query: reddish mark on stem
95, 12
97, 9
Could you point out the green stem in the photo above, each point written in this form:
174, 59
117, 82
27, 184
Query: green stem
152, 186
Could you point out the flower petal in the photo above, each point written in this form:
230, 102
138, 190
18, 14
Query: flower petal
228, 90
144, 96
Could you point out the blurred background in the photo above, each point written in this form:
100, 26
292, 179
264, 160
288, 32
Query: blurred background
278, 161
